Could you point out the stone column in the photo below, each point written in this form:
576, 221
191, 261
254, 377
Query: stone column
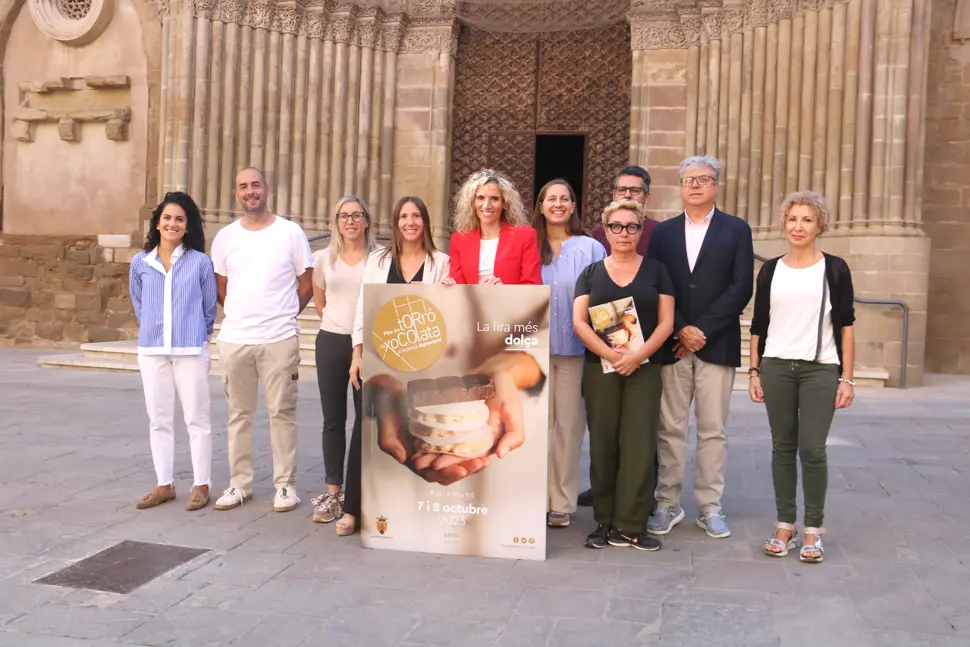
291, 15
261, 17
343, 29
817, 168
853, 45
272, 128
806, 138
232, 14
368, 32
664, 43
300, 119
203, 27
422, 108
393, 36
733, 36
183, 106
757, 19
214, 127
315, 25
166, 113
833, 135
352, 113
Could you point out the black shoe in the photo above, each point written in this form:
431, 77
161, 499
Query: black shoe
585, 499
599, 537
638, 540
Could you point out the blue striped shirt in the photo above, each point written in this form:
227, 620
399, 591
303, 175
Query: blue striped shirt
176, 309
575, 254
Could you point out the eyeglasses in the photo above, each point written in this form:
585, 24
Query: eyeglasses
631, 190
356, 216
700, 180
631, 228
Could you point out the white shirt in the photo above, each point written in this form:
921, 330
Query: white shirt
341, 283
486, 259
796, 296
262, 267
694, 233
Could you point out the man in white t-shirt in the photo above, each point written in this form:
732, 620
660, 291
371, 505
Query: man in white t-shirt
262, 265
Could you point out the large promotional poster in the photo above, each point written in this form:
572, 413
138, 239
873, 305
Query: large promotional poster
455, 421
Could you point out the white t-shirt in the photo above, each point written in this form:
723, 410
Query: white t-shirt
341, 283
486, 259
262, 267
796, 295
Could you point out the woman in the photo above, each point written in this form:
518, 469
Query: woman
565, 251
802, 357
412, 257
623, 407
173, 292
337, 273
492, 244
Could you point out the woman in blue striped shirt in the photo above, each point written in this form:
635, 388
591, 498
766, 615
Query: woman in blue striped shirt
565, 250
173, 292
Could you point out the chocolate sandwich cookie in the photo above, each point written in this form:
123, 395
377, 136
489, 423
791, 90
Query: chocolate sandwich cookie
450, 389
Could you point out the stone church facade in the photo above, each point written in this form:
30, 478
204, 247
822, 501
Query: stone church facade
108, 104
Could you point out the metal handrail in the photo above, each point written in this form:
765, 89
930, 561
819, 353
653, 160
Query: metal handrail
890, 303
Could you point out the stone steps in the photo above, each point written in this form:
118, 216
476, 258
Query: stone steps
122, 356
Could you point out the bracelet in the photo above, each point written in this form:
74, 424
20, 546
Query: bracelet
754, 369
849, 382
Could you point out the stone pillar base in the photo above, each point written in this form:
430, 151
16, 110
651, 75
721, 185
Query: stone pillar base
883, 267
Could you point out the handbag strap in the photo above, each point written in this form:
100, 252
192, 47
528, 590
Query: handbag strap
821, 315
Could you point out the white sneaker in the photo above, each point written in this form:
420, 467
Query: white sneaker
232, 498
285, 499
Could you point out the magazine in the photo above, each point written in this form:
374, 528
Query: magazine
617, 324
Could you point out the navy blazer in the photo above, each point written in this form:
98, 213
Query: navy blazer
713, 296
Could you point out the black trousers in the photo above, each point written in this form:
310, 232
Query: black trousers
352, 489
623, 414
333, 354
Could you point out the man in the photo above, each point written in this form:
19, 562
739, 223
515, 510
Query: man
631, 183
262, 265
710, 257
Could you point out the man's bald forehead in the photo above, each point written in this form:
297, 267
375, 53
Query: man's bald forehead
250, 169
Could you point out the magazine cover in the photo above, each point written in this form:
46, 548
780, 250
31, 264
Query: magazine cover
455, 425
618, 325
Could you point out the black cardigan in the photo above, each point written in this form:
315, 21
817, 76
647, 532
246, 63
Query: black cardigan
841, 296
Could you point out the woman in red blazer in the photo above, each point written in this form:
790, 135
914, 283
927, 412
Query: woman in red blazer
492, 246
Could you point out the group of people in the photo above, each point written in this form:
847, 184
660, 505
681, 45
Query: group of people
689, 277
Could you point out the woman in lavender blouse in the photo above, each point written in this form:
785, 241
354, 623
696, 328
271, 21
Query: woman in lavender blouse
565, 251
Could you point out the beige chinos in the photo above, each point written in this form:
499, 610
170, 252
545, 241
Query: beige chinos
567, 424
277, 365
708, 387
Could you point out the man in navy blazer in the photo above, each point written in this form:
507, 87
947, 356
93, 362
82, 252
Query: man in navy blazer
710, 257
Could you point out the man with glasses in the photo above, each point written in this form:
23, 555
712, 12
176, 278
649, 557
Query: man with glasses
710, 258
632, 183
262, 265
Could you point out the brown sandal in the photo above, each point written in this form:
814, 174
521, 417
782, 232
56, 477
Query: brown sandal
346, 525
155, 498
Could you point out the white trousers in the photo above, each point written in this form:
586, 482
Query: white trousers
164, 376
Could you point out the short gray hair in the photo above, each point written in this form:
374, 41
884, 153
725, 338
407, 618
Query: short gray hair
705, 161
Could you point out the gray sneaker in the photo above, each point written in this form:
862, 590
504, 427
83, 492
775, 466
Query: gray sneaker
663, 520
713, 523
558, 519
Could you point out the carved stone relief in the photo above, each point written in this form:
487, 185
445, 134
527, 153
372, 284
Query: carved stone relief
72, 22
114, 109
437, 37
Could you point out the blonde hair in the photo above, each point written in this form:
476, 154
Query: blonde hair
807, 199
513, 212
337, 238
623, 205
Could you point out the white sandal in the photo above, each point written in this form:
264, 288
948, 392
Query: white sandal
817, 545
783, 547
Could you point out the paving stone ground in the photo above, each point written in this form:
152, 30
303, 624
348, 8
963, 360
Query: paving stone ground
74, 458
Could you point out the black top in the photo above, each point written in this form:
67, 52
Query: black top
841, 296
650, 282
394, 275
713, 296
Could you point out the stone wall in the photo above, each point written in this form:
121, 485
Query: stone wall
60, 291
946, 195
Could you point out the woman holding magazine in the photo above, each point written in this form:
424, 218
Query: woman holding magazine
624, 312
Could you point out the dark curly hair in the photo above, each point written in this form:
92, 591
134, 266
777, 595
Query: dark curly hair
194, 226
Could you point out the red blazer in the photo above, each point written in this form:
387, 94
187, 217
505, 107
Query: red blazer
517, 260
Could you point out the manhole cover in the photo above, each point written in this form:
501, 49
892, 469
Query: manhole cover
122, 568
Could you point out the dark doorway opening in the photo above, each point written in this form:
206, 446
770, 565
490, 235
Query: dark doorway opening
562, 156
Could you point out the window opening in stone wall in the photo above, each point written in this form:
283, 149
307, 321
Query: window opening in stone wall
560, 155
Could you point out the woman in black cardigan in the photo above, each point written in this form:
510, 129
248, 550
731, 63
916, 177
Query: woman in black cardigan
802, 356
